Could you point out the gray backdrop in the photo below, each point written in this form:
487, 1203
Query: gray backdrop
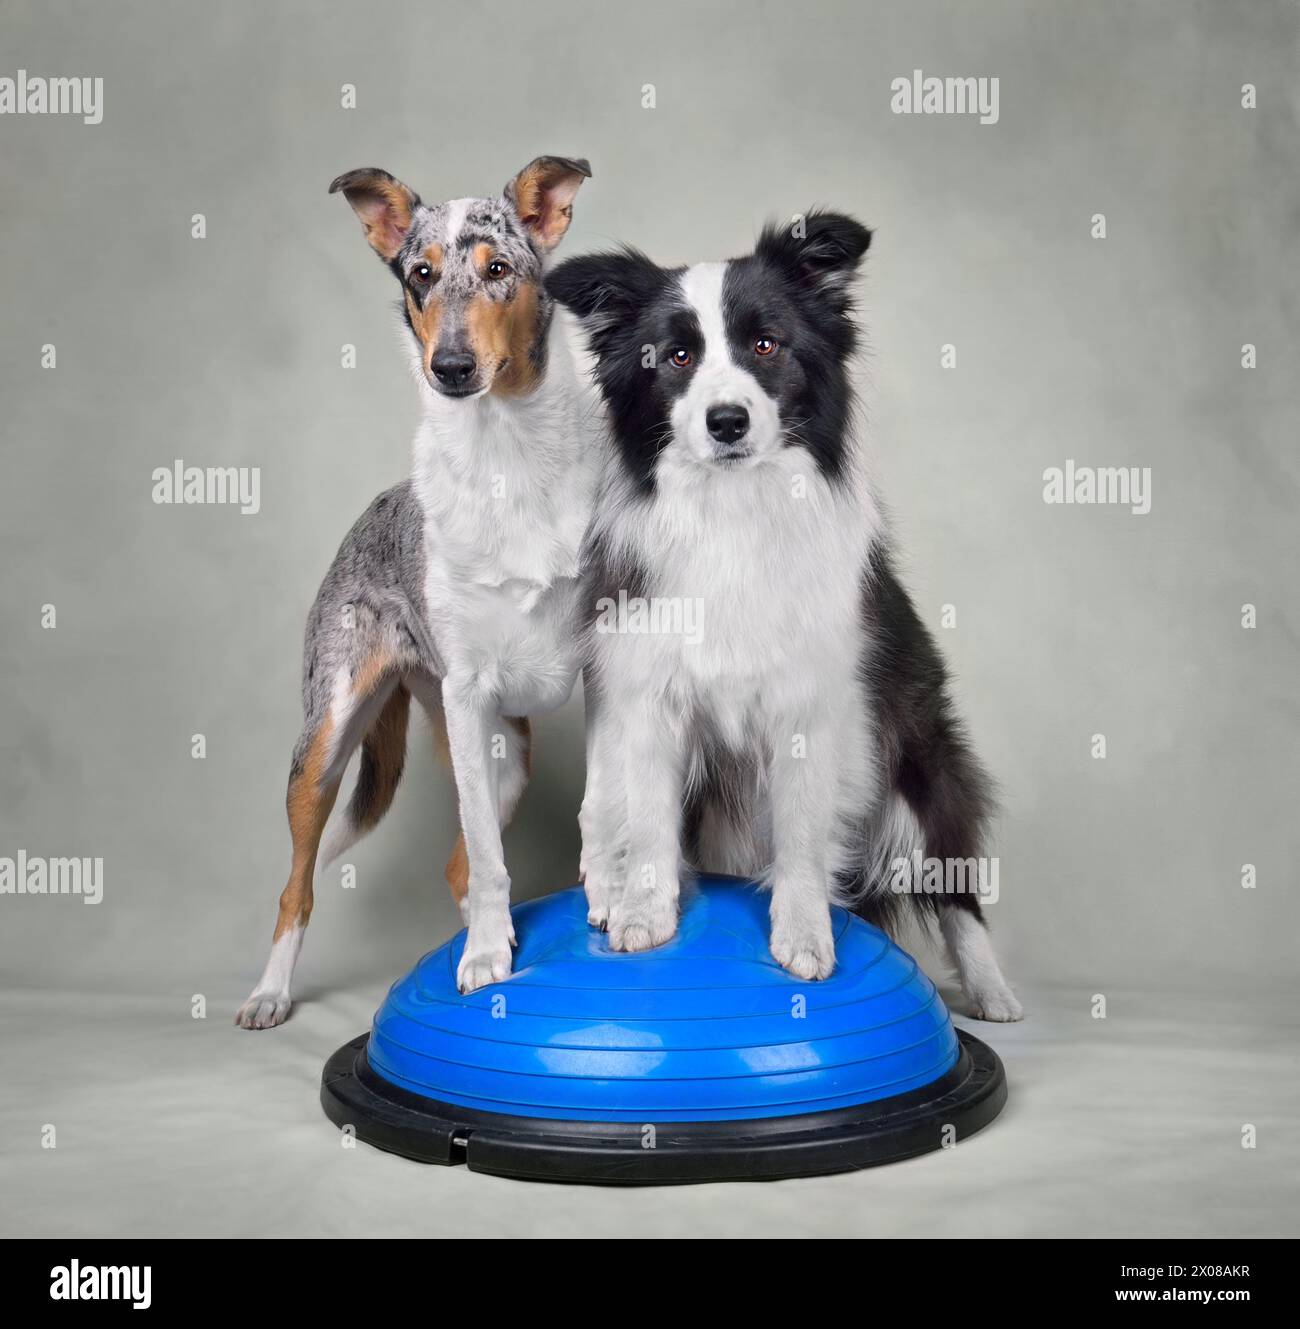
1118, 876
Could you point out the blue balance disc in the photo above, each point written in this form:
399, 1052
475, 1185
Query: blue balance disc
700, 1060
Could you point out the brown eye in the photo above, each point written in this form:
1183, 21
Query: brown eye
765, 346
422, 275
497, 269
681, 357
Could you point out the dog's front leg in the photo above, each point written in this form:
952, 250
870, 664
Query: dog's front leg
804, 770
603, 818
645, 911
470, 719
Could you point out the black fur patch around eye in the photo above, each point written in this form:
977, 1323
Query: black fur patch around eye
793, 288
631, 309
807, 376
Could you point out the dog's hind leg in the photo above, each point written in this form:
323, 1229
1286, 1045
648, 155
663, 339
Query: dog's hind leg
360, 702
946, 824
971, 952
936, 797
383, 755
944, 790
939, 814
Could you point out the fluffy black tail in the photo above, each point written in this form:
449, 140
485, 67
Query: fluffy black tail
936, 797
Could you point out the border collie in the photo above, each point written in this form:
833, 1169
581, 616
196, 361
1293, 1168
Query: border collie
803, 733
460, 586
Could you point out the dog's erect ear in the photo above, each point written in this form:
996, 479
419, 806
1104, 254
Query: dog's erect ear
542, 196
385, 206
602, 289
818, 249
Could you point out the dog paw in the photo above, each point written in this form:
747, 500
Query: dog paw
647, 924
264, 1009
996, 1004
804, 947
810, 961
478, 968
599, 900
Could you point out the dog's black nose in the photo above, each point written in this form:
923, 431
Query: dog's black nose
727, 423
453, 369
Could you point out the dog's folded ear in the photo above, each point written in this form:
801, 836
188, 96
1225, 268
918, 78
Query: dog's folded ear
818, 249
384, 204
542, 196
602, 289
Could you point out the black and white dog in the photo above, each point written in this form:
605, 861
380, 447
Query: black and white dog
804, 732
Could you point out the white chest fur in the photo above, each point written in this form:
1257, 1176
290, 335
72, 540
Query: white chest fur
771, 561
506, 489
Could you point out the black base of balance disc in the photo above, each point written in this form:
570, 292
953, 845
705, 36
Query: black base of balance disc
954, 1106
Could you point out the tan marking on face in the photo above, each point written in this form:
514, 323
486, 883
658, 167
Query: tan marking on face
482, 257
502, 334
426, 322
433, 257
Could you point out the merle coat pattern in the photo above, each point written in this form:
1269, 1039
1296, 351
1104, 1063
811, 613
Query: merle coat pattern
458, 587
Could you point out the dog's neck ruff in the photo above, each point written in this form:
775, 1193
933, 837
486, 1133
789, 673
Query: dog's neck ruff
506, 482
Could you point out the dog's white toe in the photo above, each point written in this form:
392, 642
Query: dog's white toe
264, 1009
807, 963
479, 968
802, 942
997, 1004
598, 896
637, 937
642, 928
